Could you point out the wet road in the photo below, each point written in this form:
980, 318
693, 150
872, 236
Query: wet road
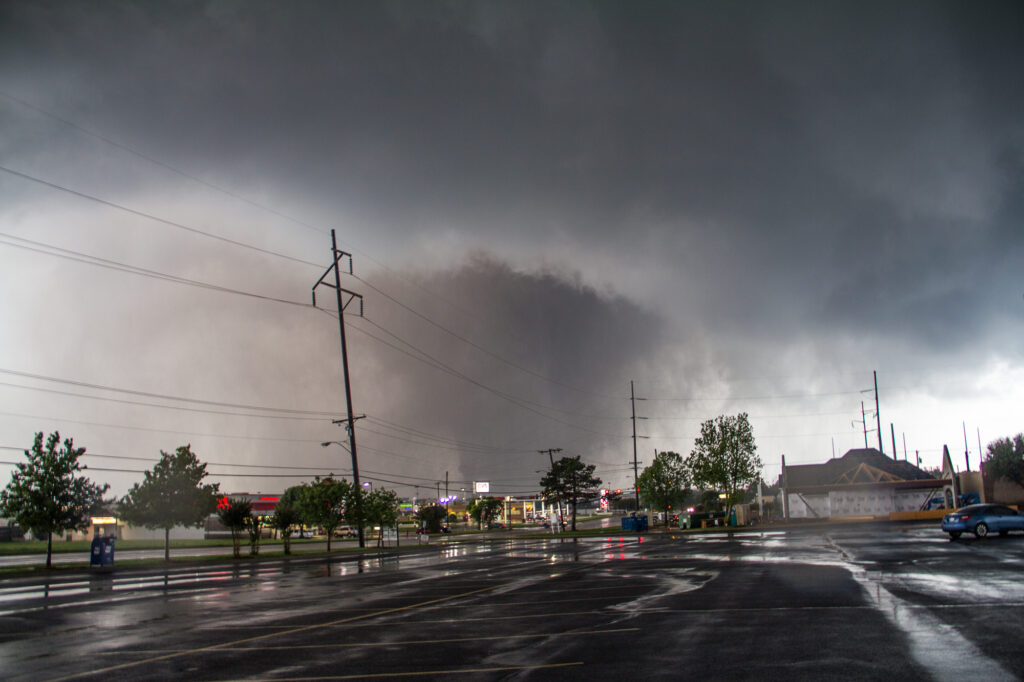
854, 602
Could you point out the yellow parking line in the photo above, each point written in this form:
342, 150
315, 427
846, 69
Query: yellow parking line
305, 628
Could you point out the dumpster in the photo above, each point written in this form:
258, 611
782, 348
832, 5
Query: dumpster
634, 523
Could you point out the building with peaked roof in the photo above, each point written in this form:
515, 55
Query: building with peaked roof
863, 482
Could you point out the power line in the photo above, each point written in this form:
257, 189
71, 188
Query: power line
162, 396
150, 216
437, 364
165, 407
462, 444
143, 428
218, 474
477, 346
224, 191
87, 259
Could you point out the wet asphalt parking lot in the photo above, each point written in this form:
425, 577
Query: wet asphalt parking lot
858, 602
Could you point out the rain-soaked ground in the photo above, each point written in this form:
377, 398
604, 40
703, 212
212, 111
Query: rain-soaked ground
842, 602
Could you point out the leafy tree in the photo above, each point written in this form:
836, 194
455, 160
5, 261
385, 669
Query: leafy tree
322, 504
380, 507
432, 516
665, 483
254, 527
46, 494
571, 481
286, 515
1005, 458
172, 494
724, 457
484, 510
235, 514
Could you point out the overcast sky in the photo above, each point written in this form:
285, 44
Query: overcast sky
741, 207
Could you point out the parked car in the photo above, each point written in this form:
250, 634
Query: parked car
982, 519
345, 532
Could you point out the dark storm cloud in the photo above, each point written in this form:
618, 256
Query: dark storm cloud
796, 143
786, 185
565, 354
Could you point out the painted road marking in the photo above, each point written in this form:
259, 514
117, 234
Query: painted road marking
257, 638
409, 642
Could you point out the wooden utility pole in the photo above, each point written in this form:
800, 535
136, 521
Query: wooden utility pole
350, 426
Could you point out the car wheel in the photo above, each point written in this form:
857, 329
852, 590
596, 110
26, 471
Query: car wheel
954, 534
981, 530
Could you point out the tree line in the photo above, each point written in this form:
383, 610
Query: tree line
724, 459
49, 494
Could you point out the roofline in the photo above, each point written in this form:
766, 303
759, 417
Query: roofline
922, 483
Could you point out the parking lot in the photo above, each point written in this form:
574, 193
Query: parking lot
876, 601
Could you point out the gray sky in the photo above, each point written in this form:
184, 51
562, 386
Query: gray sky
738, 206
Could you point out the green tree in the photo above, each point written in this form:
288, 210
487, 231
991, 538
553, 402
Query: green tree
665, 484
724, 457
1005, 458
254, 527
322, 504
46, 495
235, 514
172, 494
484, 510
571, 481
380, 507
286, 515
431, 515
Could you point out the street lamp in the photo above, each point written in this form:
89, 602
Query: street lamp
355, 477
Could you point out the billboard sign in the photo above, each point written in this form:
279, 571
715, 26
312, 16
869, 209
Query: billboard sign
481, 486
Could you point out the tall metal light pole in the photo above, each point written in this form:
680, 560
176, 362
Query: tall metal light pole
338, 255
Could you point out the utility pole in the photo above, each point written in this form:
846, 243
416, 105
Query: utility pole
967, 457
558, 503
863, 422
338, 255
878, 415
981, 453
892, 429
636, 476
905, 446
446, 498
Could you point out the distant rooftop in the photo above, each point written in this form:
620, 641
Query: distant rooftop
863, 465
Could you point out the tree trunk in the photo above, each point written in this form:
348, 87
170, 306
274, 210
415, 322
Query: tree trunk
234, 544
167, 544
574, 516
329, 534
287, 543
49, 549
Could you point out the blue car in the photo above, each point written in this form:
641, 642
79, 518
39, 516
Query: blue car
982, 519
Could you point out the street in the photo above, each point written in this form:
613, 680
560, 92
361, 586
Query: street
867, 601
